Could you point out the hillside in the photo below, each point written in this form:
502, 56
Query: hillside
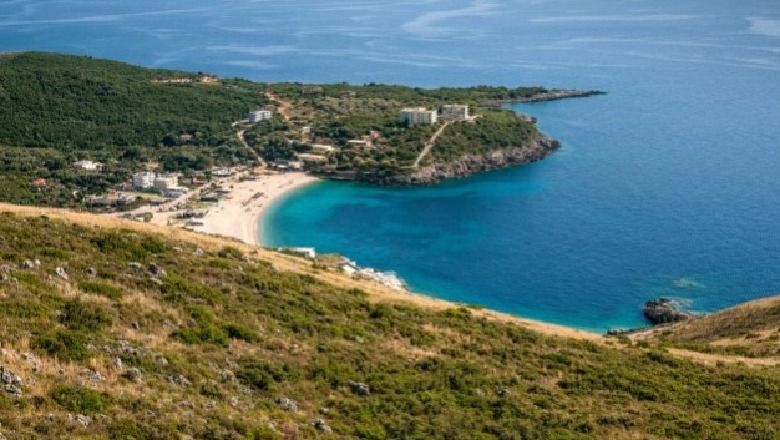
361, 123
80, 103
122, 330
58, 109
751, 329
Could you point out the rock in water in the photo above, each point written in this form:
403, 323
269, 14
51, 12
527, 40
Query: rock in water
663, 311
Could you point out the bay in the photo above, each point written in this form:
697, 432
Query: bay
668, 185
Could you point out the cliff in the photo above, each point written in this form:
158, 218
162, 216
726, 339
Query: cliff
469, 164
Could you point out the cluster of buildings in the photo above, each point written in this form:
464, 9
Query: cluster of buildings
423, 116
165, 184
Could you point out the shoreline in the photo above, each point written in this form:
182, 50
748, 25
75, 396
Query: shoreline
281, 261
239, 214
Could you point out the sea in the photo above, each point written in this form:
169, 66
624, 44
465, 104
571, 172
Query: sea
668, 185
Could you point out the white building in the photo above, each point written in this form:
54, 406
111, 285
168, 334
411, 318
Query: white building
163, 183
417, 115
144, 179
455, 111
311, 158
88, 165
322, 149
259, 115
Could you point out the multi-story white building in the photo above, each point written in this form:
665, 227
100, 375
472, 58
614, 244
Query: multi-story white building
417, 115
259, 115
454, 111
144, 179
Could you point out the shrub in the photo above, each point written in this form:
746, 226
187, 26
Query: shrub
264, 375
236, 331
103, 289
78, 315
83, 400
68, 346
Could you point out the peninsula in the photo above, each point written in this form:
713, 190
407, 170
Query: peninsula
103, 135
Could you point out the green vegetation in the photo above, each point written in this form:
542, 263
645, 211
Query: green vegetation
58, 109
341, 113
216, 346
751, 329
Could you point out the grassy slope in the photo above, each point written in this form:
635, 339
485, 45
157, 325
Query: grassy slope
751, 329
245, 331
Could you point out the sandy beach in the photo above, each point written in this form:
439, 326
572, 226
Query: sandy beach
238, 214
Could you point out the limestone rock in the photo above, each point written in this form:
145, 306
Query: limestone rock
60, 271
8, 377
178, 379
156, 270
133, 374
360, 389
321, 426
288, 404
663, 310
13, 390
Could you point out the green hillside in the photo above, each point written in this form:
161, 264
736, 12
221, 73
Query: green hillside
120, 333
751, 329
76, 103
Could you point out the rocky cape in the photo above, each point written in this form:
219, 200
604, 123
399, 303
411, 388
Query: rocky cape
664, 311
469, 164
550, 95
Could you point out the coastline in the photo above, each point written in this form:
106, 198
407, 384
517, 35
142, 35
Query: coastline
377, 292
239, 214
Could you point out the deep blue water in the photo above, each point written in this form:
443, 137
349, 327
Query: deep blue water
668, 185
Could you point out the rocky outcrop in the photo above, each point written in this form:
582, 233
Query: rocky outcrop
664, 311
550, 95
469, 164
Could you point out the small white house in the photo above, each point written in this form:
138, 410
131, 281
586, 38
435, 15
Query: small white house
88, 165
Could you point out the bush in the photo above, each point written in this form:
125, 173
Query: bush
263, 375
235, 331
82, 400
102, 289
67, 346
78, 315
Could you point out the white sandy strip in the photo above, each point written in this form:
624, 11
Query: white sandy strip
238, 214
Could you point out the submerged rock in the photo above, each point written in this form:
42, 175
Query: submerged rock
663, 311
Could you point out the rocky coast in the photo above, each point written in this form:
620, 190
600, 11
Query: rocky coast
469, 164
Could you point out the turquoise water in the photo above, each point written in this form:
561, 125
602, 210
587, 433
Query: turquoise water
668, 185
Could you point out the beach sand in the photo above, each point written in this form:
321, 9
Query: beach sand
238, 214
